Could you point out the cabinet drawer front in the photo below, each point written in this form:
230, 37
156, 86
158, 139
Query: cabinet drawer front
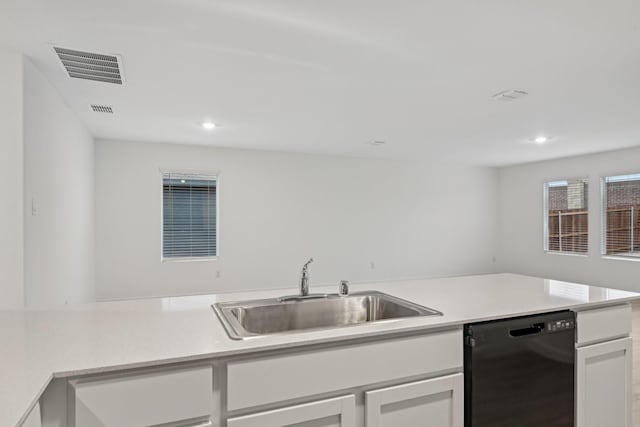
279, 378
338, 412
603, 324
143, 400
439, 400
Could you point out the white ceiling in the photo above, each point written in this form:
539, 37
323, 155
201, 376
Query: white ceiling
327, 76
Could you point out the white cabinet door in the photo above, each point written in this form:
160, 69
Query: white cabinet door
437, 402
603, 384
338, 412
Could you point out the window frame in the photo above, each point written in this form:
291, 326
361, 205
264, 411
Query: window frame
545, 215
209, 174
603, 218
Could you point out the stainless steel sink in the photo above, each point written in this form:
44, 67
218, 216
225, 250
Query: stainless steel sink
245, 319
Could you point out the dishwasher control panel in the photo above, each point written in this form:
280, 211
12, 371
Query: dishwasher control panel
560, 325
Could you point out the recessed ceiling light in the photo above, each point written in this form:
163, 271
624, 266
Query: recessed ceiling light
208, 125
541, 139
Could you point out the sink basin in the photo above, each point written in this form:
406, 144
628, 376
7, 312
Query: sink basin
246, 319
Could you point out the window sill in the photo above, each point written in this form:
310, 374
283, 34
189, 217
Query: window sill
197, 259
567, 254
621, 258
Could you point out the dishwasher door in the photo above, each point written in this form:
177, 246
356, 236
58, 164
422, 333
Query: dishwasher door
520, 371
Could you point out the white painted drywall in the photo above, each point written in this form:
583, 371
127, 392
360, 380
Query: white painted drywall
521, 220
277, 210
59, 184
11, 174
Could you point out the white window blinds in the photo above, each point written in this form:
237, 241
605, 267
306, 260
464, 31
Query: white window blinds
189, 216
567, 216
621, 215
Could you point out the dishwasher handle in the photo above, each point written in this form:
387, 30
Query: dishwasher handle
533, 329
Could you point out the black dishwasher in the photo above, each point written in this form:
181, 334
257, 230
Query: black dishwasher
520, 371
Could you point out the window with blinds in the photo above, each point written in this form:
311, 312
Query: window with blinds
566, 216
189, 216
621, 215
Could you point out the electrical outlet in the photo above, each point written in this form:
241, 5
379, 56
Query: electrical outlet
217, 274
373, 265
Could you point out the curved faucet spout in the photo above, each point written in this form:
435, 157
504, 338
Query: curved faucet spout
304, 279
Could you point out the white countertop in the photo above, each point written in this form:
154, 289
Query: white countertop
38, 345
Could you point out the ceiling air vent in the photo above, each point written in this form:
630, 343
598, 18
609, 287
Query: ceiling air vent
101, 109
91, 66
509, 95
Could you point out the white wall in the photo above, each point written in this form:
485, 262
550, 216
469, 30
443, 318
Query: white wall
59, 179
277, 210
11, 175
521, 220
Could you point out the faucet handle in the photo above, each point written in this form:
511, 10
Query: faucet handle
343, 290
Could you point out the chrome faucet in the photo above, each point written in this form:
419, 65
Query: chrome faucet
343, 289
304, 287
304, 279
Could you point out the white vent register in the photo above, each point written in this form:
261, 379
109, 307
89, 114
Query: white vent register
91, 66
102, 109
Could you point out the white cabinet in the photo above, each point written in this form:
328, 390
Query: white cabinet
435, 402
356, 372
603, 367
603, 384
274, 379
176, 396
337, 412
603, 324
33, 419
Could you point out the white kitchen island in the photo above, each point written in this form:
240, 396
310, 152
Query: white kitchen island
86, 360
